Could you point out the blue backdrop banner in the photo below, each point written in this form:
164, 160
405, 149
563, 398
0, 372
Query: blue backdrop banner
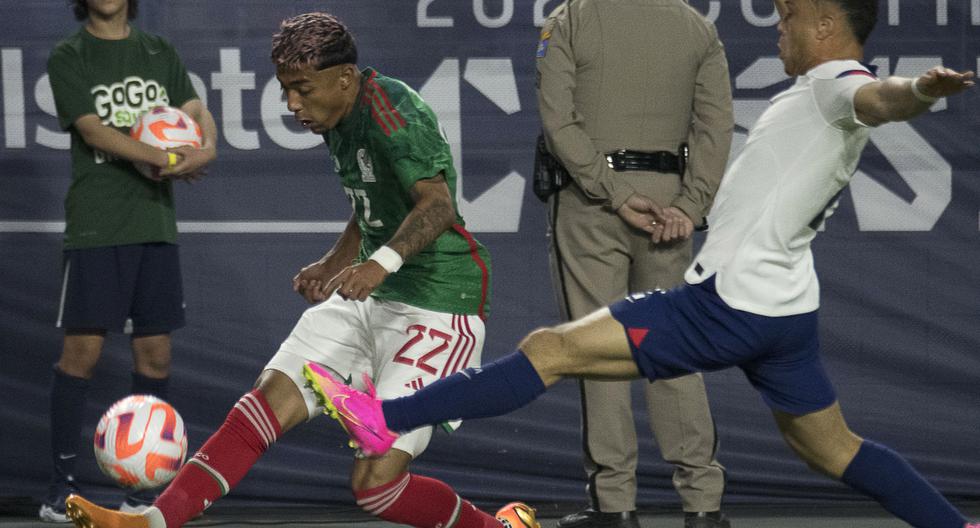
898, 261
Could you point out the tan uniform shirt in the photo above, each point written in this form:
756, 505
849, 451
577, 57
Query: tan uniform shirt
644, 75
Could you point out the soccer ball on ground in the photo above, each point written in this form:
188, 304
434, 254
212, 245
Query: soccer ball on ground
164, 127
140, 442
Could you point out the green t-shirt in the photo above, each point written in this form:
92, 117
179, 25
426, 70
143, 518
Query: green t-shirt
109, 203
388, 142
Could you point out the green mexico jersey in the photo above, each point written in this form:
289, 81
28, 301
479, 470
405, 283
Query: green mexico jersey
109, 203
388, 142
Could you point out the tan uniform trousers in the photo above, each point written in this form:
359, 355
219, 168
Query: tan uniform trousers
603, 260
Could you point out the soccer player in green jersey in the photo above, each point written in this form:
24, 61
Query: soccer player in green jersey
121, 261
401, 295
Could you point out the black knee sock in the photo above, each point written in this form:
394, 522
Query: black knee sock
68, 397
153, 386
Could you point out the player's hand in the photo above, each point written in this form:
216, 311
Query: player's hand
941, 82
355, 283
312, 279
191, 163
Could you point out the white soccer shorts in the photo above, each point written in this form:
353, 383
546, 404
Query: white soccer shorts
401, 347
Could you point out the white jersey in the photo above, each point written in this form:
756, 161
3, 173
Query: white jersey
775, 195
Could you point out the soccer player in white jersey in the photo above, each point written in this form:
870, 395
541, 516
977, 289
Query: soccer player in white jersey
751, 296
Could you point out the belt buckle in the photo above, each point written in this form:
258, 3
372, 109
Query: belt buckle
616, 160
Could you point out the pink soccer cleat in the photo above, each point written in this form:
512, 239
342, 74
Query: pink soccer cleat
359, 413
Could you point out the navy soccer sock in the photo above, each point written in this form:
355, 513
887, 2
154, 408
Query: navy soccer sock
68, 397
888, 478
152, 386
498, 388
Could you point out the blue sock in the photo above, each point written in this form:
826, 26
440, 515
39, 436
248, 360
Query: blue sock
498, 388
889, 479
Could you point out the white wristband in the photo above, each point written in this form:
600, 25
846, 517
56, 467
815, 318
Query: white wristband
928, 99
389, 259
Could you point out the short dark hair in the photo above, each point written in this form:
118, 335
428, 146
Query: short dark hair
861, 15
80, 7
317, 39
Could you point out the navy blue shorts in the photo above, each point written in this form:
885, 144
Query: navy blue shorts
133, 288
691, 329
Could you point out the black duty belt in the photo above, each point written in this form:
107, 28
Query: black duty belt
634, 160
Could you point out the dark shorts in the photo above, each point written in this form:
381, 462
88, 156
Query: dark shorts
133, 288
691, 329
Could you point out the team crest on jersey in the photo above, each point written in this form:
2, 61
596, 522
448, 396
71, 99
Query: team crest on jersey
367, 170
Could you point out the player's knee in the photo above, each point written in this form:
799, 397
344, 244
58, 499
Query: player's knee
827, 458
542, 344
374, 473
284, 398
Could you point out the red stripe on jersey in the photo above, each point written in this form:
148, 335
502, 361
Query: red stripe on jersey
382, 116
475, 254
848, 73
387, 103
380, 121
378, 112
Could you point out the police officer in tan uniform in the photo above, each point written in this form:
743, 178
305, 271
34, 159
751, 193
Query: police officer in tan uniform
624, 85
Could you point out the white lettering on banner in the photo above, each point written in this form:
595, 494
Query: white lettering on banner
942, 12
480, 11
712, 10
498, 209
44, 97
759, 21
230, 81
877, 209
422, 18
13, 97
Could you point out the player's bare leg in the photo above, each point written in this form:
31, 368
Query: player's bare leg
254, 423
593, 347
151, 355
823, 440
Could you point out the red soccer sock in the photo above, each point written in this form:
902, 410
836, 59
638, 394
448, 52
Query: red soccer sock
422, 502
250, 428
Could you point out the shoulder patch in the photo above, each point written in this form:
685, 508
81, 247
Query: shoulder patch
543, 43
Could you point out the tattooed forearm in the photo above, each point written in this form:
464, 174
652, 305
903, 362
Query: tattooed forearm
432, 215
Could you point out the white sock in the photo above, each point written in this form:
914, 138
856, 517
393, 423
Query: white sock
155, 517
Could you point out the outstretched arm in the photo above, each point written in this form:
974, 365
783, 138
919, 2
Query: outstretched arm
900, 98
